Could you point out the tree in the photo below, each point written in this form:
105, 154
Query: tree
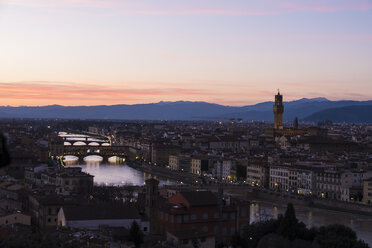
135, 234
255, 231
4, 154
338, 236
237, 241
195, 243
288, 224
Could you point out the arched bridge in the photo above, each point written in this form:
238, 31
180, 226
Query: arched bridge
71, 139
86, 143
104, 151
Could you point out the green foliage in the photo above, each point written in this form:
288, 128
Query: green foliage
289, 223
338, 236
135, 234
254, 232
195, 243
295, 234
238, 242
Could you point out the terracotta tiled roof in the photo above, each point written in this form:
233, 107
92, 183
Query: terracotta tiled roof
199, 198
100, 211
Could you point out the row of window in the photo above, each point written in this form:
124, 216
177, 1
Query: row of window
205, 216
253, 171
329, 187
279, 173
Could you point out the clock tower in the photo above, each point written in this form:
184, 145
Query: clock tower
278, 111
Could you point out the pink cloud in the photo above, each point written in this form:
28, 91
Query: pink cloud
199, 11
39, 93
130, 7
332, 37
327, 7
72, 94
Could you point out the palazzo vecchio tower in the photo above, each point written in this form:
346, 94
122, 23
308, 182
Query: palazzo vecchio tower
278, 111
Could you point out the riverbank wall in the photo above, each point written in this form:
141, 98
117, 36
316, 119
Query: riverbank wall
181, 177
263, 194
283, 199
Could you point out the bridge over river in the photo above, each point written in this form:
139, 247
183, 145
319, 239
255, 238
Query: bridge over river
83, 151
85, 145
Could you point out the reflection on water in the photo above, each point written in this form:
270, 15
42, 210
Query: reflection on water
313, 217
113, 174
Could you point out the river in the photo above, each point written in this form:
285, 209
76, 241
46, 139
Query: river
122, 174
115, 174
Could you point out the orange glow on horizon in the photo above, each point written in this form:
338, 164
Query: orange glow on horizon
74, 94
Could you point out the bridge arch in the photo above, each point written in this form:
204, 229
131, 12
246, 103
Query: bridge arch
105, 144
93, 144
116, 160
80, 143
66, 143
70, 159
93, 159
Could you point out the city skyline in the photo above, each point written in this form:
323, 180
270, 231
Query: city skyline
78, 52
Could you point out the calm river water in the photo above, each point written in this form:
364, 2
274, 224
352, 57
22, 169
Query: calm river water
117, 174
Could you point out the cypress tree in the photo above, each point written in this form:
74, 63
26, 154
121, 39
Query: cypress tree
287, 227
135, 234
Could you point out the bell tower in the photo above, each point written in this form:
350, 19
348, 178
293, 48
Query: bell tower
152, 203
278, 111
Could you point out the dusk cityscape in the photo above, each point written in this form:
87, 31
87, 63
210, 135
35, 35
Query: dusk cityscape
186, 124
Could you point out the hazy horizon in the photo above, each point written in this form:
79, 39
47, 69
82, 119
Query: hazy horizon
186, 101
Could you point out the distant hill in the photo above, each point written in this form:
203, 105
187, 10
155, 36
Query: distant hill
181, 110
300, 108
350, 114
154, 111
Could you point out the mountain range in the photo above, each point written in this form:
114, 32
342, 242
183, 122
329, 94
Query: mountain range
311, 110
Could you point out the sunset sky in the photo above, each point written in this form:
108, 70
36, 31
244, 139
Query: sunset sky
231, 52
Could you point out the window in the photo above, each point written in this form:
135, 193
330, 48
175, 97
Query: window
205, 228
49, 220
186, 218
145, 229
232, 230
172, 218
232, 216
243, 212
179, 219
205, 216
193, 217
225, 216
161, 215
166, 217
216, 215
